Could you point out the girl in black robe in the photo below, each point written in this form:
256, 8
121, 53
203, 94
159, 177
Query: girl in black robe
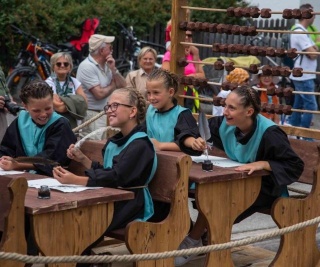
248, 137
38, 131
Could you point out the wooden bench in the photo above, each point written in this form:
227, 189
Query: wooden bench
12, 228
290, 211
169, 185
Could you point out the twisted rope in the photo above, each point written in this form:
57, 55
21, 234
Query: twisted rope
88, 121
154, 256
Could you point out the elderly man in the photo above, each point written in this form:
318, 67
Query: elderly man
99, 77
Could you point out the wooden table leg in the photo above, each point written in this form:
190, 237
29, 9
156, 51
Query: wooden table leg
70, 232
221, 203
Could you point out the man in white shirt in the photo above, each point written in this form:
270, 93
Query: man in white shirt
308, 62
99, 77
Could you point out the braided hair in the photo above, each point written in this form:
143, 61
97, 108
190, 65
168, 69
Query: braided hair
37, 89
169, 79
136, 99
249, 97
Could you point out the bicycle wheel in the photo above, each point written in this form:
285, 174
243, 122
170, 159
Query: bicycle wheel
19, 78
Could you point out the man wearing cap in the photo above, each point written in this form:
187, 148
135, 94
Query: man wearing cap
99, 77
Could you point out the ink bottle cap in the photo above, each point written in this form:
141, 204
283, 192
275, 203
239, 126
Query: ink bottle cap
44, 192
207, 166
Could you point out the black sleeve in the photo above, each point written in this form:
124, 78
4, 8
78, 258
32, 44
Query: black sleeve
186, 126
59, 137
131, 167
285, 164
11, 143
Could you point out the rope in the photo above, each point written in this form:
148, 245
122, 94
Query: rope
154, 256
88, 121
302, 192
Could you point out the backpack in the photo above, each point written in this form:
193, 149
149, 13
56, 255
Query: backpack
287, 61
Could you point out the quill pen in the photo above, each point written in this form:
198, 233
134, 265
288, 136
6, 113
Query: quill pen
204, 129
36, 160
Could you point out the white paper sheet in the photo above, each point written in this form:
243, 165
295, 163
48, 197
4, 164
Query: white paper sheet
217, 161
56, 185
3, 172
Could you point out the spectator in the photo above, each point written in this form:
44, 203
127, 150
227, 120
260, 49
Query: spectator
265, 82
193, 70
69, 100
137, 78
99, 77
4, 91
305, 83
46, 134
238, 76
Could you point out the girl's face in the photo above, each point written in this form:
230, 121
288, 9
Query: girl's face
40, 110
147, 62
235, 113
159, 96
119, 111
62, 67
265, 80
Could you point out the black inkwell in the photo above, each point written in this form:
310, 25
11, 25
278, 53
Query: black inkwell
44, 192
207, 165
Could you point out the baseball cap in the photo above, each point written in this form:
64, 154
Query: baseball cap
96, 40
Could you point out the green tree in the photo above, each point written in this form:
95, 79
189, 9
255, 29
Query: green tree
55, 21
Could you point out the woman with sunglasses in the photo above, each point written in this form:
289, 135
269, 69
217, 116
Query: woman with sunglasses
126, 109
69, 99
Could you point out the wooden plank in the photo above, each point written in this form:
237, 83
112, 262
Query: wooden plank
13, 236
177, 36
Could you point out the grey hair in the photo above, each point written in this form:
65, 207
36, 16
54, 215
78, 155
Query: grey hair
146, 50
54, 58
95, 52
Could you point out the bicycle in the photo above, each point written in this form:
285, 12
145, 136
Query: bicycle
128, 61
32, 63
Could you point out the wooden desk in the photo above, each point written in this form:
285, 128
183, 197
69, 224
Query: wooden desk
67, 223
221, 196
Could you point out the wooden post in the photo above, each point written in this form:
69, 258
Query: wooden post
177, 50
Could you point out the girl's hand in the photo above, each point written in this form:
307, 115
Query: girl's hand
156, 144
199, 144
254, 166
75, 153
64, 176
7, 163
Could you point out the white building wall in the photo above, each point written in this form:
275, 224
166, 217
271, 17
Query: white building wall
278, 5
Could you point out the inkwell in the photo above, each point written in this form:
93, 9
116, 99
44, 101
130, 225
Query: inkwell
44, 192
205, 134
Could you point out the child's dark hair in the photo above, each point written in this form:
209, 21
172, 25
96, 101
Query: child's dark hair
136, 99
170, 80
249, 97
35, 89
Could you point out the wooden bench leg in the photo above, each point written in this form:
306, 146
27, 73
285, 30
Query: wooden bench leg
298, 248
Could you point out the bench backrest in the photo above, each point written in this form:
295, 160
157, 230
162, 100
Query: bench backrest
12, 195
166, 177
307, 151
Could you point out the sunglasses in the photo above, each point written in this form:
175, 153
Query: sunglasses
65, 64
189, 35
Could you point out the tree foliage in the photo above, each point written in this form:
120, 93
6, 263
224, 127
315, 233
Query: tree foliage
56, 21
